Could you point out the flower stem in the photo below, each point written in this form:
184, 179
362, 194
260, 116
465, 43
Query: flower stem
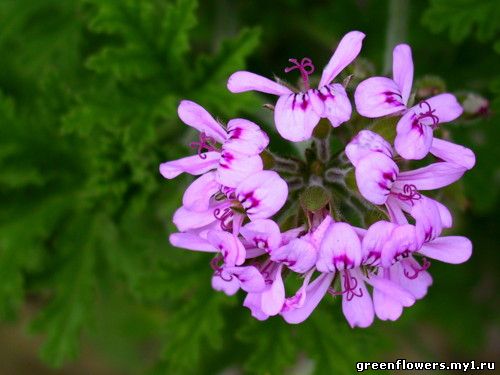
397, 29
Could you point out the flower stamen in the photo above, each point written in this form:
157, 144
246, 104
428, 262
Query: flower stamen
305, 67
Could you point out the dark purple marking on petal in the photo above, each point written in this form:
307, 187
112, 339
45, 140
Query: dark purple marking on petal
390, 98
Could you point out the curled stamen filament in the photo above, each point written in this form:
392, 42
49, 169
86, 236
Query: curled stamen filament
225, 217
350, 284
305, 67
416, 270
214, 263
428, 114
205, 143
409, 193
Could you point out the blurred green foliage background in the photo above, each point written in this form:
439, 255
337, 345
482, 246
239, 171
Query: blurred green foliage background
88, 96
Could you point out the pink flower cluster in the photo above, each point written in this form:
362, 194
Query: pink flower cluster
376, 271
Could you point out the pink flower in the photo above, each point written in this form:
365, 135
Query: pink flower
381, 96
206, 202
297, 113
234, 153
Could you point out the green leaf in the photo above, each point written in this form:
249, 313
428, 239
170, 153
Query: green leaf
463, 18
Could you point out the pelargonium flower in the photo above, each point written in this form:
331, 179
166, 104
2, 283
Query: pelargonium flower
297, 113
233, 153
294, 224
206, 202
381, 96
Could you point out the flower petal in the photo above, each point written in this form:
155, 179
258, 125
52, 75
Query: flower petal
377, 97
386, 307
227, 285
445, 106
453, 153
250, 278
294, 116
375, 175
340, 249
413, 140
274, 297
262, 194
262, 233
185, 219
451, 249
229, 245
196, 116
331, 102
347, 50
427, 219
364, 143
253, 301
191, 241
314, 294
393, 290
402, 70
245, 81
298, 255
359, 310
417, 286
197, 195
374, 240
433, 176
245, 137
235, 167
195, 165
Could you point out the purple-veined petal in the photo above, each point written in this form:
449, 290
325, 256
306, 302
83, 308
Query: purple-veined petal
402, 241
359, 310
347, 50
402, 70
377, 97
364, 143
229, 245
298, 255
295, 117
245, 81
340, 249
453, 153
451, 249
191, 241
413, 140
197, 195
245, 137
373, 242
253, 301
331, 102
427, 217
314, 294
196, 116
433, 176
262, 194
195, 165
250, 278
228, 285
262, 233
274, 297
375, 175
235, 167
